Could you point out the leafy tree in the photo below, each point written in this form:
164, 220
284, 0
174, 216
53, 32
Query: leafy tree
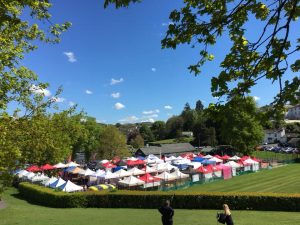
266, 55
199, 106
189, 117
137, 142
174, 126
146, 133
240, 126
111, 143
159, 130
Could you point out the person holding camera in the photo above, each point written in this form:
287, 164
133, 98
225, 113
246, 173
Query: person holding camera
226, 216
167, 213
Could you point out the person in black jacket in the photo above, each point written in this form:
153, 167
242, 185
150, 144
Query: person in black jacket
228, 217
167, 213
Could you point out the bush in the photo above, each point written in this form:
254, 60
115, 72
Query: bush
151, 199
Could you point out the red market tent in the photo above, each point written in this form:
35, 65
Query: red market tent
47, 167
135, 162
109, 165
225, 157
204, 170
245, 158
148, 178
255, 159
217, 156
33, 168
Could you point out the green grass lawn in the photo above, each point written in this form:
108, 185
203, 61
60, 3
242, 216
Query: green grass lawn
285, 179
20, 212
274, 156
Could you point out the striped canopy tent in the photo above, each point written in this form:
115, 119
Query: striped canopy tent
70, 187
49, 181
57, 183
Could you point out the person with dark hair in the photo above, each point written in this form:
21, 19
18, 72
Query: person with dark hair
167, 213
227, 218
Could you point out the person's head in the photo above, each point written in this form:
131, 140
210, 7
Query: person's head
226, 209
167, 203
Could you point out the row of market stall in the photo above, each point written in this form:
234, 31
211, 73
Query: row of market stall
151, 172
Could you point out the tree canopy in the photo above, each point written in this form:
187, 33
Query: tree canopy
203, 23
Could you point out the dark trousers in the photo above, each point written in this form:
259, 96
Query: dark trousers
167, 222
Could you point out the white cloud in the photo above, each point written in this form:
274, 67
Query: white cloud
153, 69
129, 119
71, 56
88, 92
71, 103
40, 91
101, 121
151, 120
256, 98
58, 99
115, 81
167, 24
119, 106
168, 107
116, 95
151, 112
150, 116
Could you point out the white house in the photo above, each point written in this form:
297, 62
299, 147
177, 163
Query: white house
293, 113
275, 135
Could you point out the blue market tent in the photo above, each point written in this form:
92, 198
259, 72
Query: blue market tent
198, 159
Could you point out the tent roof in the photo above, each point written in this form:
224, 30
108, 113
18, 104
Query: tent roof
233, 164
87, 172
166, 176
72, 164
135, 171
60, 165
70, 187
147, 178
179, 175
33, 168
47, 167
57, 183
204, 169
122, 173
131, 181
235, 158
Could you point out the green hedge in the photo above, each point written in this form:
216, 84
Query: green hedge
146, 199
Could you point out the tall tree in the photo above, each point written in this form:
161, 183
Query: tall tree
199, 106
174, 127
146, 133
266, 54
159, 130
137, 142
112, 143
240, 126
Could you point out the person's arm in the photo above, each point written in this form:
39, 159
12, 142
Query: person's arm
160, 210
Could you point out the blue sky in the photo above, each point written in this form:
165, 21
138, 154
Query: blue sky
111, 64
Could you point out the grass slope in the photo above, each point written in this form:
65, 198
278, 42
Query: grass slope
21, 212
285, 179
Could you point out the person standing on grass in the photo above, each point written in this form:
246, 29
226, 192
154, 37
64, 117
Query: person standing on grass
167, 213
228, 218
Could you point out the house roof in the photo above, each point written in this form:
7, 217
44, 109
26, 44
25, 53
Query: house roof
168, 149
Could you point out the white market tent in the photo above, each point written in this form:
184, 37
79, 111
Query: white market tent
195, 165
233, 166
235, 158
57, 183
179, 175
136, 172
207, 156
217, 160
254, 164
171, 167
161, 167
166, 176
98, 173
22, 173
60, 165
122, 173
29, 175
50, 181
169, 159
72, 164
70, 187
87, 172
150, 170
39, 178
104, 161
181, 161
131, 182
108, 175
